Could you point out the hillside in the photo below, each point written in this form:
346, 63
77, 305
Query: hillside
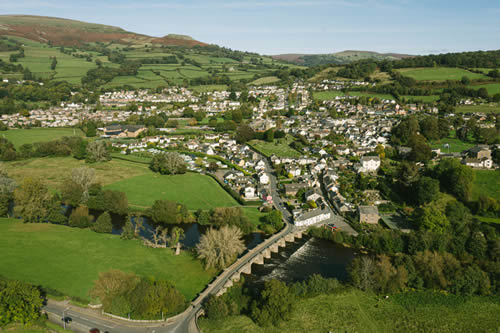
64, 32
343, 57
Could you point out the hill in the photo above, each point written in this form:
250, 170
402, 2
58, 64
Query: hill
343, 57
64, 32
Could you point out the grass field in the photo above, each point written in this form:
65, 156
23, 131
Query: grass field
493, 88
424, 99
486, 182
280, 147
214, 87
46, 327
456, 145
355, 311
21, 136
485, 108
265, 80
327, 95
369, 94
439, 73
70, 259
194, 190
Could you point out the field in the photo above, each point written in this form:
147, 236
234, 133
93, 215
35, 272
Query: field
265, 80
280, 147
20, 137
423, 99
369, 94
493, 88
456, 145
355, 311
70, 259
486, 182
327, 95
194, 190
439, 73
485, 108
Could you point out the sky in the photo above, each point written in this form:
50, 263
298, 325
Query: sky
295, 26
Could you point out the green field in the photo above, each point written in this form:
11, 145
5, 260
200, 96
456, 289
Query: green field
486, 182
369, 94
355, 311
423, 99
70, 259
22, 136
265, 80
192, 189
327, 95
485, 108
493, 88
280, 147
214, 87
439, 74
456, 145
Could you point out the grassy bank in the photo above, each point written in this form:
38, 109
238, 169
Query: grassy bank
486, 182
355, 311
70, 259
19, 137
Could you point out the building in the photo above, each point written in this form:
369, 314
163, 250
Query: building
369, 164
368, 214
293, 188
264, 178
312, 217
123, 131
480, 152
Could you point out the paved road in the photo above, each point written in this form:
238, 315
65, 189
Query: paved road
84, 319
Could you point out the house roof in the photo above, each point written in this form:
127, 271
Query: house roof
368, 210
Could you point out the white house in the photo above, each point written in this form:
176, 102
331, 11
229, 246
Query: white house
369, 164
264, 178
250, 192
312, 217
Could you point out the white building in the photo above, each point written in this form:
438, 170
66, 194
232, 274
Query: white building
312, 217
369, 164
264, 178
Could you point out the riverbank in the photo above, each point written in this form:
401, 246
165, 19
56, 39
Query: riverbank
357, 311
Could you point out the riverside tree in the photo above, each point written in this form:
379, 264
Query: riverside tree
219, 248
168, 164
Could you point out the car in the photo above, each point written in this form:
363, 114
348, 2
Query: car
94, 330
331, 226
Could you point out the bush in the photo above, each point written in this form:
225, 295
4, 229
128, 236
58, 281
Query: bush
80, 217
103, 223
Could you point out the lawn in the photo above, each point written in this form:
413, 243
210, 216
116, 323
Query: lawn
456, 145
493, 88
192, 189
423, 99
70, 259
327, 95
280, 147
355, 311
21, 136
213, 87
439, 73
485, 108
369, 94
486, 182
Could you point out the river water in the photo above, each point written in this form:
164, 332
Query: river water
295, 262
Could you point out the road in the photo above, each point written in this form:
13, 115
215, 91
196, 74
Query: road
82, 320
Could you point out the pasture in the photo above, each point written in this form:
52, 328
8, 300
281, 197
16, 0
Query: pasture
279, 147
456, 145
265, 80
422, 99
370, 95
486, 182
33, 253
484, 108
194, 190
492, 88
327, 95
19, 137
357, 311
439, 73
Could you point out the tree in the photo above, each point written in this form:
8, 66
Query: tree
275, 219
429, 128
165, 212
176, 235
216, 308
361, 271
269, 135
244, 133
53, 64
219, 248
168, 164
431, 218
128, 231
111, 284
465, 80
275, 304
425, 190
232, 216
420, 150
107, 200
19, 302
80, 217
380, 151
32, 199
84, 177
98, 151
103, 223
455, 178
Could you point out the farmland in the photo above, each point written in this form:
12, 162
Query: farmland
20, 137
455, 145
327, 95
356, 311
493, 88
484, 108
280, 147
194, 190
439, 74
486, 182
31, 252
